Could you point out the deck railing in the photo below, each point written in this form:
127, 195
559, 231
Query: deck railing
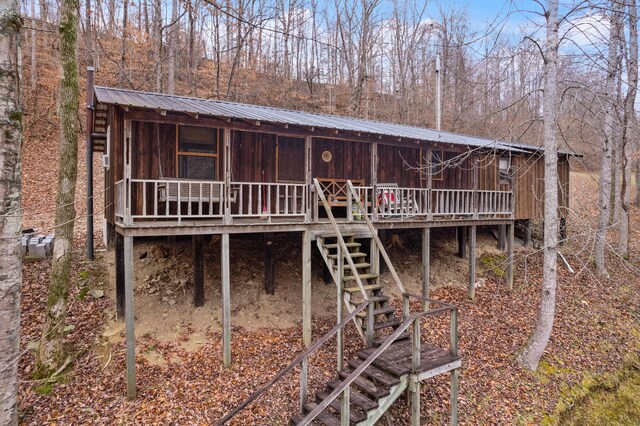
269, 200
172, 199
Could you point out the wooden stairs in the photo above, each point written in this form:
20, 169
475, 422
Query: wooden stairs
385, 320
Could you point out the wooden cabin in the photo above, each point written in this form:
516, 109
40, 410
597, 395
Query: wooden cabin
183, 166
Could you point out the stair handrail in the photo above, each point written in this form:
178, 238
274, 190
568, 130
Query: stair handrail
339, 238
376, 239
346, 383
298, 360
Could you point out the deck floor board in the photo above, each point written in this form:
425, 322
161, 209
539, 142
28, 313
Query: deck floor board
397, 358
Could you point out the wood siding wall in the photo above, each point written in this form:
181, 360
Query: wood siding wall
400, 165
349, 160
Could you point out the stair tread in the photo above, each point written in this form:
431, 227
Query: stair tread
355, 254
362, 277
374, 299
366, 385
381, 339
355, 416
379, 311
384, 324
335, 245
376, 373
356, 289
324, 417
355, 397
357, 265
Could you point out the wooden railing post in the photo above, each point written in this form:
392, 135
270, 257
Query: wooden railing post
454, 332
304, 390
345, 417
415, 366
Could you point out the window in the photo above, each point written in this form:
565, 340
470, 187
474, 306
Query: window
437, 165
505, 170
197, 153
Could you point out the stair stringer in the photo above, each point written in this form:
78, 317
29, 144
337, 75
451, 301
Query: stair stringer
346, 296
386, 402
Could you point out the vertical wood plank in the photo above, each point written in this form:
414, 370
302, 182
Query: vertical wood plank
306, 288
472, 263
426, 265
308, 177
226, 301
227, 175
197, 244
129, 318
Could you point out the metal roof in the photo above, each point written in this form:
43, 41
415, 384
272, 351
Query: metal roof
232, 110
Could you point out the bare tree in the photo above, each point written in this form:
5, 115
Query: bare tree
52, 353
628, 128
530, 356
173, 49
10, 212
604, 203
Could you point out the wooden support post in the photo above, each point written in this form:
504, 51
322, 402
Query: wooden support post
527, 232
339, 309
563, 230
129, 318
472, 263
510, 244
426, 265
226, 300
197, 244
415, 404
461, 232
382, 266
226, 143
269, 265
454, 397
502, 236
306, 288
119, 247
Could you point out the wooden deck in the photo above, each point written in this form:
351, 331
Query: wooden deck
396, 360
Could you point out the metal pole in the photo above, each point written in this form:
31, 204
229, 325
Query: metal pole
438, 107
89, 160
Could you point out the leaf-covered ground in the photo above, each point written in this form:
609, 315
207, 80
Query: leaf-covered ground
596, 328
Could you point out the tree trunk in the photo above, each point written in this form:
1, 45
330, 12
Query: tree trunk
10, 212
34, 59
123, 50
173, 50
531, 354
628, 129
157, 36
636, 201
604, 203
52, 354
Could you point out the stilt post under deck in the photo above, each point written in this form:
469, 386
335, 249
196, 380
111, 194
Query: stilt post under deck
306, 288
510, 243
472, 262
426, 265
269, 265
119, 247
502, 236
129, 318
527, 235
461, 232
226, 301
197, 243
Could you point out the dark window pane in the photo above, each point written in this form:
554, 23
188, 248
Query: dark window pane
193, 167
197, 139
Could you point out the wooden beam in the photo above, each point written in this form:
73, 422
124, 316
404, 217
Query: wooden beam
226, 300
119, 248
306, 288
129, 318
198, 269
510, 243
527, 232
415, 403
227, 175
426, 265
269, 264
472, 263
502, 236
308, 177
